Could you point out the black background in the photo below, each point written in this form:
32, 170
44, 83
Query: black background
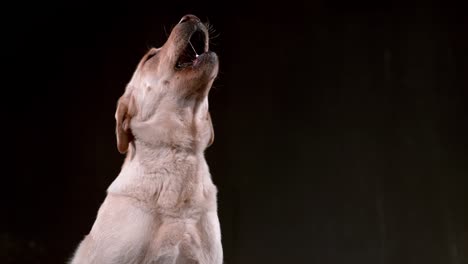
341, 129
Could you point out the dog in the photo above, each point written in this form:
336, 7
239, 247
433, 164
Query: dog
162, 207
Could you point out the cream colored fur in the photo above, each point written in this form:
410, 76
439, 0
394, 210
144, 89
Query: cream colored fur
161, 208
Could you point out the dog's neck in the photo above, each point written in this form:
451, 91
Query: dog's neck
185, 132
162, 156
164, 177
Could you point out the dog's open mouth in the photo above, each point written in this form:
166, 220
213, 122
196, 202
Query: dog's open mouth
196, 46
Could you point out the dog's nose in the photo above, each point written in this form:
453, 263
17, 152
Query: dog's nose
189, 18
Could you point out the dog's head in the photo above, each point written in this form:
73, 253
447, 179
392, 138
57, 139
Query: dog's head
166, 101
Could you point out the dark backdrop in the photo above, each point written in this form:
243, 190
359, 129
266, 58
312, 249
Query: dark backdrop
341, 129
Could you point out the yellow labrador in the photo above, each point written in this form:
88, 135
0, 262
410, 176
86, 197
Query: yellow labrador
162, 206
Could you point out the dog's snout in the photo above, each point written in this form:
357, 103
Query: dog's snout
189, 18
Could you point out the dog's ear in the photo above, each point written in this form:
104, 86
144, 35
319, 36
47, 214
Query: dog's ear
210, 142
123, 115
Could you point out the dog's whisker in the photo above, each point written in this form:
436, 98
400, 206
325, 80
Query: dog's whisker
207, 24
165, 31
214, 36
